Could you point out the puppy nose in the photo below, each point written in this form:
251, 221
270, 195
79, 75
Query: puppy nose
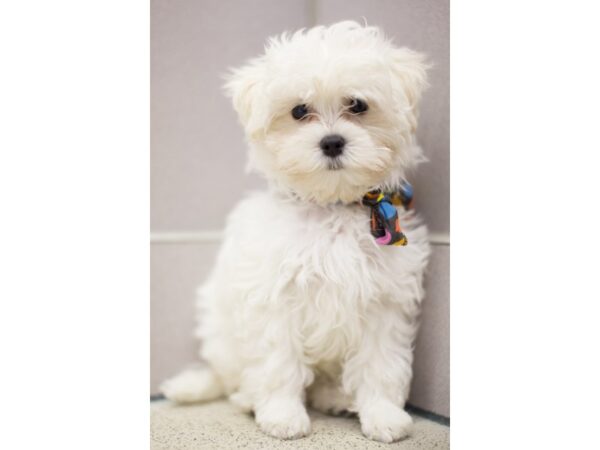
332, 145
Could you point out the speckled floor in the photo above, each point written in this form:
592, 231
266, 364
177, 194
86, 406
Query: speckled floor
218, 425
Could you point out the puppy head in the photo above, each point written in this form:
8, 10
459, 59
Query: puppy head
331, 112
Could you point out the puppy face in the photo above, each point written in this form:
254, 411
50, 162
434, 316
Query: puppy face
330, 113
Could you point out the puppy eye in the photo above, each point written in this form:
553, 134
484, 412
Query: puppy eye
299, 112
358, 106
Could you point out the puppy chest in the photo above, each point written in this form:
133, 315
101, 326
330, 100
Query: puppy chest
334, 291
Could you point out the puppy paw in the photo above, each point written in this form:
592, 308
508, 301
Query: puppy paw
283, 418
385, 422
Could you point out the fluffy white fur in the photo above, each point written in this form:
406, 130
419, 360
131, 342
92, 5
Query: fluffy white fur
302, 304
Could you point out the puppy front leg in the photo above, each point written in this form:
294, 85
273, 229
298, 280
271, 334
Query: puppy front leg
379, 374
279, 380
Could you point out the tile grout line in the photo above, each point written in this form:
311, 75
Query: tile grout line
312, 12
213, 236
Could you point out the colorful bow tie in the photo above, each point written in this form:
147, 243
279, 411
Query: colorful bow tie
385, 225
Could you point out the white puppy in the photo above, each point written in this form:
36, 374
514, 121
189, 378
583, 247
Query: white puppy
303, 304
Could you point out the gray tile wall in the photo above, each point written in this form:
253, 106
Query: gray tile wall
197, 146
198, 154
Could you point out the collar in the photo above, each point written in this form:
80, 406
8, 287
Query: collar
385, 225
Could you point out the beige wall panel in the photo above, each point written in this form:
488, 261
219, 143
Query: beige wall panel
176, 271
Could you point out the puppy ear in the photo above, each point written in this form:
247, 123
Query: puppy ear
244, 87
409, 71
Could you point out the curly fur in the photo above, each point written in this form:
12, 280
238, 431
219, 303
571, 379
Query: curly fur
302, 304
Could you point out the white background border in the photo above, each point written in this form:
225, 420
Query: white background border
524, 264
74, 252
